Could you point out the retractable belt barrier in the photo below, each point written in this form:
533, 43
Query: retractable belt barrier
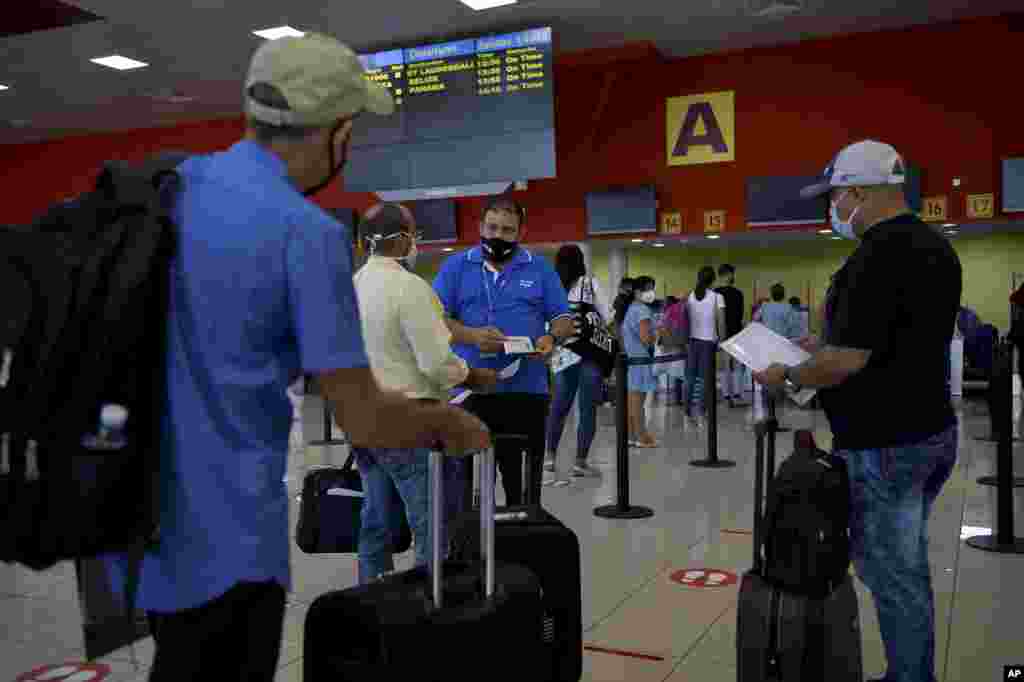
1003, 541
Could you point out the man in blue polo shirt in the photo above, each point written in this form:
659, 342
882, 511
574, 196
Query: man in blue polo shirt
491, 292
261, 292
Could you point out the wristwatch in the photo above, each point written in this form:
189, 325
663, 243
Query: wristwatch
790, 384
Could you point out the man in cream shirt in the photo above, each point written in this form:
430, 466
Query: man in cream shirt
408, 344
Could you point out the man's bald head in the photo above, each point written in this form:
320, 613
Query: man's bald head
388, 219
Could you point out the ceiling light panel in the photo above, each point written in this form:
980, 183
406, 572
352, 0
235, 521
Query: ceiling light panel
3, 87
118, 62
479, 5
279, 32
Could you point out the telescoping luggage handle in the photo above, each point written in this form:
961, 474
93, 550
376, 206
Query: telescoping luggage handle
764, 430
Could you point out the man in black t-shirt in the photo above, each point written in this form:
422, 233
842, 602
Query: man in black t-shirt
733, 376
881, 371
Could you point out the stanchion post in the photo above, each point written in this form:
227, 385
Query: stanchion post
995, 399
1004, 541
622, 508
711, 403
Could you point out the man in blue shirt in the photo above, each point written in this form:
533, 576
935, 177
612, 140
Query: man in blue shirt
496, 290
261, 291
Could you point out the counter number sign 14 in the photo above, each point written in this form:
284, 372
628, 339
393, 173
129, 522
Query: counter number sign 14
671, 222
933, 209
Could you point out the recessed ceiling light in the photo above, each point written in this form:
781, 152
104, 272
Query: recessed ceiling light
825, 231
4, 87
448, 249
950, 225
658, 245
118, 62
836, 238
279, 32
638, 241
486, 4
713, 236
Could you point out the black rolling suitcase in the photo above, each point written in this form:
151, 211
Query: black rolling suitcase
530, 536
786, 636
432, 627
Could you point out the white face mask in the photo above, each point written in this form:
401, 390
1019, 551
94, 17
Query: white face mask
844, 228
647, 297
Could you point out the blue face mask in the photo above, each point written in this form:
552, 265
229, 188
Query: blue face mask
844, 228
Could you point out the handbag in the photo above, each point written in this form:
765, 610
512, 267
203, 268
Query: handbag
592, 342
330, 513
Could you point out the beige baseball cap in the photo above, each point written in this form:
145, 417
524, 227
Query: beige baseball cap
321, 78
863, 164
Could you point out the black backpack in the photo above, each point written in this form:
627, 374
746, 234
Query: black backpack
84, 314
806, 530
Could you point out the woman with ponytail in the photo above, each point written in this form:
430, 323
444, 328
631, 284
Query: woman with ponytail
575, 374
621, 305
707, 322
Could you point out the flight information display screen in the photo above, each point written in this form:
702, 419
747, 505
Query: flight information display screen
465, 88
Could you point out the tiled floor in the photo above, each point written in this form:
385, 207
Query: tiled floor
630, 604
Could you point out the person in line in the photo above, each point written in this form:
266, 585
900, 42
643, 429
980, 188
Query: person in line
409, 348
575, 375
1016, 333
639, 334
899, 449
494, 291
733, 384
707, 320
261, 293
755, 312
622, 302
803, 316
674, 310
779, 316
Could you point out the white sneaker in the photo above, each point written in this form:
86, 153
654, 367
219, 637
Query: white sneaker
584, 471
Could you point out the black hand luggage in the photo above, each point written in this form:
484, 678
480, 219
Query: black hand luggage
532, 537
330, 513
787, 636
432, 626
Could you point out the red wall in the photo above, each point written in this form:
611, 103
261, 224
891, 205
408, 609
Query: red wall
943, 95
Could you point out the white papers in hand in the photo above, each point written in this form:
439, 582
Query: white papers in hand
757, 347
503, 375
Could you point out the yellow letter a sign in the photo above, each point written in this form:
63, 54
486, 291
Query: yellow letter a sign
701, 129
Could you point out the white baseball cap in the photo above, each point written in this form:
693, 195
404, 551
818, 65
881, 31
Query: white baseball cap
864, 164
321, 78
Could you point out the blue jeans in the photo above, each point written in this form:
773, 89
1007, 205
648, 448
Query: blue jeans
584, 377
892, 491
698, 364
409, 470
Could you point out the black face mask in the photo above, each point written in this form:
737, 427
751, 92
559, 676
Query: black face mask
498, 250
335, 169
